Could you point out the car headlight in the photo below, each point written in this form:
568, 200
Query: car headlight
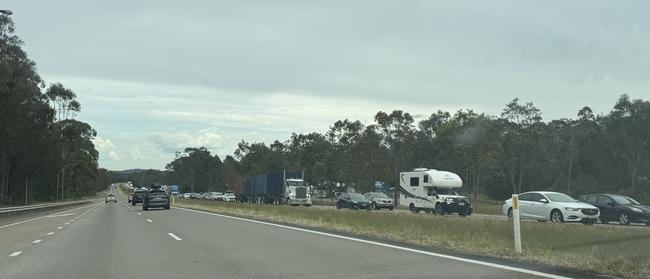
449, 199
639, 210
572, 209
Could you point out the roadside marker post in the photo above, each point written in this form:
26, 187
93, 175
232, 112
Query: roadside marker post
515, 222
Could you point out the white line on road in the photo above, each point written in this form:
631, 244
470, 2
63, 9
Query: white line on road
37, 241
149, 220
67, 224
58, 228
15, 253
50, 233
38, 218
174, 236
422, 252
139, 213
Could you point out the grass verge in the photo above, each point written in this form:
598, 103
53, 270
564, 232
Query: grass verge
617, 251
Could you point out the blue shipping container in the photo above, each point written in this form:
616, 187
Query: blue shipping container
270, 184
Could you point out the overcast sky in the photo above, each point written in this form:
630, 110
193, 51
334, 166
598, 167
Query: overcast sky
154, 77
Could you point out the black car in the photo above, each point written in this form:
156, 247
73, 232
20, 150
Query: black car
155, 198
379, 200
138, 196
354, 201
622, 209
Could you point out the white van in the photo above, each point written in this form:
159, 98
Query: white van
433, 191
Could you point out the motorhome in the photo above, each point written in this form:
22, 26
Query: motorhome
433, 191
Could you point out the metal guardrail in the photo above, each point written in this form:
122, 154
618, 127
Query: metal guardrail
16, 210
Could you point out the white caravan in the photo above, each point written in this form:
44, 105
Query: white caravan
433, 191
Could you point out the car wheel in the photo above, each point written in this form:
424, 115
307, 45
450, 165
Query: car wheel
132, 203
412, 208
623, 218
601, 220
338, 206
556, 216
373, 206
510, 215
167, 207
391, 209
439, 210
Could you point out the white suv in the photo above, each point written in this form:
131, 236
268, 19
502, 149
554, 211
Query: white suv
553, 206
229, 197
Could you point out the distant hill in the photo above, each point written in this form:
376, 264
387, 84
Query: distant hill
129, 171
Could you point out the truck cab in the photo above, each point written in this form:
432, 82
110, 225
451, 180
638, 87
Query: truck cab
297, 192
433, 191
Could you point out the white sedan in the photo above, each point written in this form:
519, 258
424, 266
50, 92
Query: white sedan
553, 206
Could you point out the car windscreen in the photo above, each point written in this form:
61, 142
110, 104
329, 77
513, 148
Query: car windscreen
557, 197
442, 192
296, 183
622, 200
379, 195
356, 196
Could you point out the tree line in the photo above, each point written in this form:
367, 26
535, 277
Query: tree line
494, 155
45, 154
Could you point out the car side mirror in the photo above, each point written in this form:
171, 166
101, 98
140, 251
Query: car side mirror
543, 200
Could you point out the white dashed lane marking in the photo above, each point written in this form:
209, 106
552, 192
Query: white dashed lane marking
174, 236
50, 233
58, 228
37, 241
149, 220
15, 253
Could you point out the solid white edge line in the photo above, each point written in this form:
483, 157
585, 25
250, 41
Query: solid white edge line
15, 253
37, 241
149, 220
493, 265
174, 236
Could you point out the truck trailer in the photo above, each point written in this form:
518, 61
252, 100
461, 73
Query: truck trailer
284, 187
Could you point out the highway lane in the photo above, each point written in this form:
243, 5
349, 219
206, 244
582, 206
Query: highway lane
118, 241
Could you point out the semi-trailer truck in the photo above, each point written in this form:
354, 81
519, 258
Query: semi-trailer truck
284, 187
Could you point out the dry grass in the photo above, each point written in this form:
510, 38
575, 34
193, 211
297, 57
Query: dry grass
617, 251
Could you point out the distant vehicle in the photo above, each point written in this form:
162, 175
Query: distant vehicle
155, 198
433, 191
354, 201
216, 196
187, 195
553, 206
622, 209
174, 190
379, 200
110, 198
138, 196
229, 197
285, 187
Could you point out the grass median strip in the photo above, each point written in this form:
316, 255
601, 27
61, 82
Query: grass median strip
617, 251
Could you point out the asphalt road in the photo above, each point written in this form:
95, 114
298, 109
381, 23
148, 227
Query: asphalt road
120, 241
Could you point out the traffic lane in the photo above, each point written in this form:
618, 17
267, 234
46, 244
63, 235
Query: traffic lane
111, 241
18, 232
248, 250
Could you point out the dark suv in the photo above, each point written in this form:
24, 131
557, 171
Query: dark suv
155, 198
622, 209
138, 196
354, 201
